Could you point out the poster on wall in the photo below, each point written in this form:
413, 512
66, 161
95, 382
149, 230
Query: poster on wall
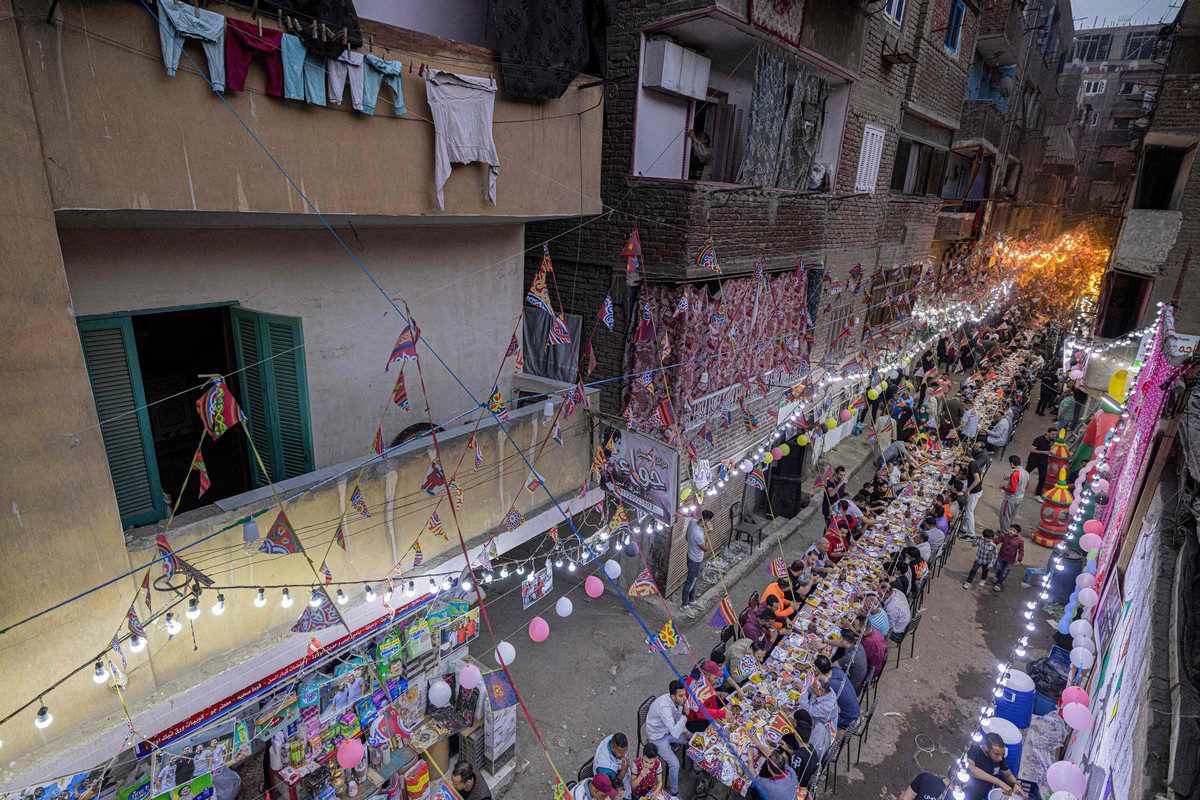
1108, 611
536, 586
198, 788
641, 472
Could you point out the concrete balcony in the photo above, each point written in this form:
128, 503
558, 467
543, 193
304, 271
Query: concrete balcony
953, 225
1146, 240
1001, 30
982, 126
119, 135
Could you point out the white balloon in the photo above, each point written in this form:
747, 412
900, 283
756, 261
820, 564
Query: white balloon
1081, 628
1082, 657
1088, 597
1063, 796
612, 569
439, 693
1085, 581
505, 654
564, 607
1085, 642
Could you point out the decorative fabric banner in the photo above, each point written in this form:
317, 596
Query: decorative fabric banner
473, 446
757, 480
645, 331
406, 346
707, 257
513, 519
665, 639
456, 494
200, 467
418, 553
377, 444
340, 535
537, 296
326, 574
643, 585
434, 479
435, 526
316, 619
607, 316
399, 393
619, 524
556, 435
496, 405
777, 569
558, 332
724, 616
281, 538
533, 483
571, 398
135, 625
218, 410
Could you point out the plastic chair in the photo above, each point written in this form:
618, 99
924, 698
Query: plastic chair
831, 760
642, 713
910, 634
587, 770
860, 729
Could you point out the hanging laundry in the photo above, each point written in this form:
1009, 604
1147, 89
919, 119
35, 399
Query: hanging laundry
346, 67
462, 121
303, 72
244, 41
178, 21
378, 73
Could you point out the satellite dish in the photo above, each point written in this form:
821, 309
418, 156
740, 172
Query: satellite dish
1134, 64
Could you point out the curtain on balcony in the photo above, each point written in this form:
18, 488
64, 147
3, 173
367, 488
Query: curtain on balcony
801, 137
545, 44
760, 158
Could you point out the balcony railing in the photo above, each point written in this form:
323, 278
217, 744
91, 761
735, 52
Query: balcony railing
982, 124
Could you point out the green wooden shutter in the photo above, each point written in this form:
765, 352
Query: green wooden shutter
270, 356
112, 365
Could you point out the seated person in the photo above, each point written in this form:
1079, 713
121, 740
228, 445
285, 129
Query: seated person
801, 755
610, 759
781, 590
646, 776
776, 779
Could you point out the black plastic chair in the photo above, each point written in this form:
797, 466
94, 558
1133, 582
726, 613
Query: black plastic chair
861, 732
643, 712
587, 770
910, 636
831, 763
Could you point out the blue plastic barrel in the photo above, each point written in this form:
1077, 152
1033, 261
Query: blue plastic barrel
1012, 740
1015, 703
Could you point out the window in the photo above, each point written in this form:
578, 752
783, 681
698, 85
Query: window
1095, 86
894, 11
1163, 171
1140, 45
918, 168
868, 159
954, 24
145, 389
1093, 47
1129, 87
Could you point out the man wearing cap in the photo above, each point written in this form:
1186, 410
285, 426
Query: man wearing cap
600, 786
665, 726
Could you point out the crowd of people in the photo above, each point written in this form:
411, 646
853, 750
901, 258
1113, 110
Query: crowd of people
927, 413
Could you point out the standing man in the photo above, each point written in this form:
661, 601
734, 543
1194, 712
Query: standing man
1039, 458
1014, 492
1011, 550
835, 489
1048, 381
975, 470
697, 546
665, 726
969, 427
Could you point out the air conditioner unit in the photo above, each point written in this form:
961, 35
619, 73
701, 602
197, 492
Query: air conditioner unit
669, 68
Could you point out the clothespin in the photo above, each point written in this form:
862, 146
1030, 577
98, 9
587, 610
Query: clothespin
371, 43
196, 8
279, 16
345, 37
254, 16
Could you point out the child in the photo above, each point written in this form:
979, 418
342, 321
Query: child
983, 558
1011, 550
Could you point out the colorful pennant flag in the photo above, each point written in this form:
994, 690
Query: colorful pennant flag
533, 483
724, 615
170, 561
558, 332
645, 331
359, 502
571, 398
682, 305
664, 346
760, 276
643, 585
199, 466
418, 553
135, 625
435, 526
340, 535
496, 405
777, 569
665, 414
326, 574
399, 393
316, 619
377, 444
665, 639
473, 445
632, 251
589, 360
707, 258
456, 495
513, 519
406, 346
281, 538
619, 524
218, 410
434, 479
757, 480
537, 296
556, 435
607, 316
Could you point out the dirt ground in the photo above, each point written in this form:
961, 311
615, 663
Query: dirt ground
587, 680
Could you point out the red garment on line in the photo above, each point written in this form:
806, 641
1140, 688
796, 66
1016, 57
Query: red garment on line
242, 43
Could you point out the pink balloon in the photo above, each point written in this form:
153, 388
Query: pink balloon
1076, 374
350, 753
1076, 694
1065, 776
469, 677
776, 453
1094, 526
846, 415
1078, 717
1102, 485
1090, 541
593, 586
539, 629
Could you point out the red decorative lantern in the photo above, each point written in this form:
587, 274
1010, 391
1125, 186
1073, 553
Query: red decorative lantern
1060, 456
1055, 513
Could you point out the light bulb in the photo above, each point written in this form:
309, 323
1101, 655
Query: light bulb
341, 598
316, 599
43, 718
504, 572
521, 568
136, 644
963, 776
370, 594
173, 626
219, 607
387, 595
976, 737
100, 675
193, 609
446, 584
411, 591
261, 599
571, 566
467, 585
286, 600
433, 584
558, 562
